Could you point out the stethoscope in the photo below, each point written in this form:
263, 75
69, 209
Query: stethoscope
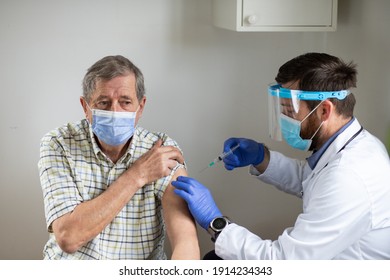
350, 139
343, 147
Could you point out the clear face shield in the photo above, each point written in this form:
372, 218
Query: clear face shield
287, 102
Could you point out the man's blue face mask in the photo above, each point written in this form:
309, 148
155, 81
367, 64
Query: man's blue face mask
284, 105
113, 128
291, 131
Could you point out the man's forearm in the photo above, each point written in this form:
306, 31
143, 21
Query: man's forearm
186, 250
89, 218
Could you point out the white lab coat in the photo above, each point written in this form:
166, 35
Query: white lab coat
346, 205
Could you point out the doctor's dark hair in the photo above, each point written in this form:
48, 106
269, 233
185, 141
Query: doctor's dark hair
321, 72
110, 67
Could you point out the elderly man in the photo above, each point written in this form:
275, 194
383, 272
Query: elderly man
106, 181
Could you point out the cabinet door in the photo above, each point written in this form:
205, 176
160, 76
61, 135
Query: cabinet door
278, 13
275, 15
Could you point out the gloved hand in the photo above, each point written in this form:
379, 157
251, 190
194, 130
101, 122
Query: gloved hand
249, 152
199, 200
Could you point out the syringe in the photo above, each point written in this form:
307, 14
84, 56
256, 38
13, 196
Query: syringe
221, 157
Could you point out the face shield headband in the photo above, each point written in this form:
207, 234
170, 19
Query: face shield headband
284, 101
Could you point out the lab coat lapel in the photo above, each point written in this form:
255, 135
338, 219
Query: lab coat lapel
332, 152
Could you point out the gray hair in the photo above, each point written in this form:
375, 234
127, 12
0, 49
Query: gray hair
110, 67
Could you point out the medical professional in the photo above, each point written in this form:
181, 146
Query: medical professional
344, 184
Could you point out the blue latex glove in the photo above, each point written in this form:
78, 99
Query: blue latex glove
249, 152
199, 200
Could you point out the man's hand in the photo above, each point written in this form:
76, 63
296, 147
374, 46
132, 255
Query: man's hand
199, 200
158, 162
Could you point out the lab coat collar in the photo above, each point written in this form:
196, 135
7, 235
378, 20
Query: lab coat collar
315, 157
338, 144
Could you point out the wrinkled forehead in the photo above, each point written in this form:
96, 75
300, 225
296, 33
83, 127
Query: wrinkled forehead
120, 85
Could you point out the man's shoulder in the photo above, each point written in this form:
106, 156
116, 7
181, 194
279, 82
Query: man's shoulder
147, 137
72, 130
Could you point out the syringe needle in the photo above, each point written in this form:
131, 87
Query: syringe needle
210, 164
221, 157
203, 169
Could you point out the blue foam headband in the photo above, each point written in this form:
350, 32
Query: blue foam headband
277, 90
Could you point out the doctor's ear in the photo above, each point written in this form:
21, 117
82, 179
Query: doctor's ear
326, 109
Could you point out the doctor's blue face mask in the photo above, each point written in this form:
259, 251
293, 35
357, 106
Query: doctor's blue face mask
284, 105
113, 128
291, 131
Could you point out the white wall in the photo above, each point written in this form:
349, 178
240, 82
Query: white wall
204, 84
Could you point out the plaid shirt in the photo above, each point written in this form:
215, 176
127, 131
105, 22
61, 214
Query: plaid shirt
73, 169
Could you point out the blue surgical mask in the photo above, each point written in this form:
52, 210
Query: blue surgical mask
291, 132
113, 128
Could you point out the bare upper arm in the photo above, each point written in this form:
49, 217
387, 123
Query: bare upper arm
175, 208
180, 225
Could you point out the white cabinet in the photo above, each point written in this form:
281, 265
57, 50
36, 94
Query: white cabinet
275, 15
